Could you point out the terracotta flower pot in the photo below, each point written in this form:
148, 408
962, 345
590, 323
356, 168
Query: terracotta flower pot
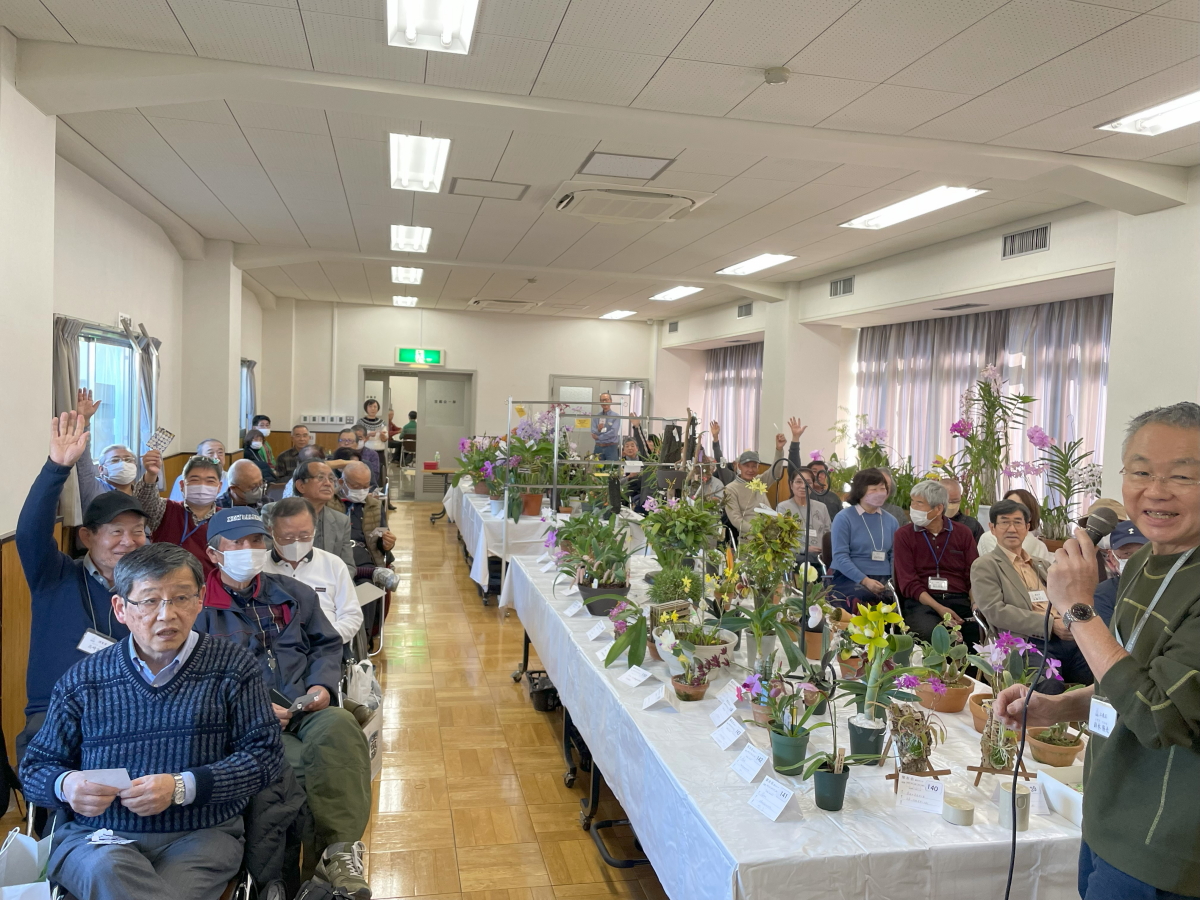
1052, 545
565, 510
1052, 754
812, 645
652, 649
952, 701
531, 504
481, 488
978, 713
852, 667
689, 692
761, 713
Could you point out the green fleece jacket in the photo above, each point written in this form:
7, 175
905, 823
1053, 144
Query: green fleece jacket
1141, 806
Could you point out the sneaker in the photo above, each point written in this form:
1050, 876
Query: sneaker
386, 579
341, 865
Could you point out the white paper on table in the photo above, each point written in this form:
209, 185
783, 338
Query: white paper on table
1037, 797
661, 695
572, 591
117, 778
573, 608
106, 836
730, 690
724, 710
728, 733
635, 676
749, 762
924, 794
549, 566
770, 798
545, 557
595, 631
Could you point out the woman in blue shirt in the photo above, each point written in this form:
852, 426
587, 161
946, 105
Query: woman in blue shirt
862, 542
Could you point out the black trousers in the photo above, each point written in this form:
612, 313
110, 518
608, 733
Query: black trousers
921, 620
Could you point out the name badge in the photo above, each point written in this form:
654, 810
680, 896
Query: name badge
1038, 597
1103, 718
93, 641
878, 555
939, 584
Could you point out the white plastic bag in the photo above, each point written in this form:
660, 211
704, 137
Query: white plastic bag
23, 867
361, 685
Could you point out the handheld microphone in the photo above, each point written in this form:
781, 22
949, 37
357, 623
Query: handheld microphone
1100, 523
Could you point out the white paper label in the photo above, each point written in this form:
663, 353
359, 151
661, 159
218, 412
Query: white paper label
549, 566
602, 653
595, 631
1103, 718
632, 467
572, 591
729, 690
878, 555
573, 608
749, 762
635, 676
939, 584
925, 794
93, 641
724, 710
655, 696
1038, 597
545, 557
114, 778
728, 733
770, 798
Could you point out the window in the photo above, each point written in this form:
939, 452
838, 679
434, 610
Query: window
107, 369
249, 398
732, 391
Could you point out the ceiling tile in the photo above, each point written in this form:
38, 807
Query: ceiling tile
689, 181
984, 119
464, 283
1184, 156
1180, 9
1018, 36
311, 279
1140, 6
277, 281
600, 243
631, 26
551, 235
760, 34
535, 20
1139, 146
863, 176
30, 20
498, 227
474, 152
214, 111
713, 162
893, 109
701, 88
135, 24
804, 100
503, 65
349, 280
361, 9
245, 32
354, 46
544, 160
594, 76
793, 171
369, 128
280, 118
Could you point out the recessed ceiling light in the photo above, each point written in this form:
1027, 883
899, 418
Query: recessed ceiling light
1157, 119
404, 301
411, 238
619, 314
618, 165
919, 205
402, 275
444, 26
676, 293
757, 264
418, 163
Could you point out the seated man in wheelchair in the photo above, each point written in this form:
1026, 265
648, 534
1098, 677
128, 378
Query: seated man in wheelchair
279, 620
186, 715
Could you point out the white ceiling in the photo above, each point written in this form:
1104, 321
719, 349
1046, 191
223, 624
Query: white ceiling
1032, 74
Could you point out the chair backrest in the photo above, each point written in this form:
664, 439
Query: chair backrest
827, 550
409, 442
275, 491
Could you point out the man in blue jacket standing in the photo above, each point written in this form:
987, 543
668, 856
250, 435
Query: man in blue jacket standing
279, 620
71, 600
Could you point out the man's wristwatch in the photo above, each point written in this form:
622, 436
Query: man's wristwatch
1080, 612
177, 798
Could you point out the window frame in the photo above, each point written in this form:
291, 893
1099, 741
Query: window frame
97, 334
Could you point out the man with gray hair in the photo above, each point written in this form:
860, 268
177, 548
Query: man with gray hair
743, 500
933, 558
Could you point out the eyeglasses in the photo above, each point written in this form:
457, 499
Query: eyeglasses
302, 538
154, 604
325, 479
1144, 479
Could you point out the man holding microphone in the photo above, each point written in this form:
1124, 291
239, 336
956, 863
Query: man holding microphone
1141, 818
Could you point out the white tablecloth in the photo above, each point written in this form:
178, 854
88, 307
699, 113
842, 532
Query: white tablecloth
483, 534
691, 814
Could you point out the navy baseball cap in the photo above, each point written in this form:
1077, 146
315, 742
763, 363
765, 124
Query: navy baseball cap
235, 523
1125, 533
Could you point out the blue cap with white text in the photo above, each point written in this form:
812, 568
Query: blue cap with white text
235, 523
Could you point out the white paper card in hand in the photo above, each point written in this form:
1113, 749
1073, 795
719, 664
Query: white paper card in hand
924, 794
728, 733
635, 676
595, 631
117, 778
573, 608
749, 762
770, 798
724, 710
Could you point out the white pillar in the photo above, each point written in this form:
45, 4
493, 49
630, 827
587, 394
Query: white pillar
277, 386
26, 280
212, 347
1154, 355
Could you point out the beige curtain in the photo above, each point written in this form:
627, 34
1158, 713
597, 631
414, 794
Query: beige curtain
732, 387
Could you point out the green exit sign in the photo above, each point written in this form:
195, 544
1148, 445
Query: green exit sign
420, 356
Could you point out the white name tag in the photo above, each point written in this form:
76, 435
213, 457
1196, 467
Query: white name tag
548, 567
93, 641
661, 694
635, 676
727, 734
878, 555
724, 710
749, 762
1038, 597
925, 794
573, 608
770, 798
595, 631
572, 591
602, 653
939, 584
1103, 718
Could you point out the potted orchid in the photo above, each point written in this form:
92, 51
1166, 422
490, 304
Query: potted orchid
678, 529
788, 721
472, 454
595, 555
829, 769
700, 639
947, 686
1008, 660
1069, 477
530, 459
692, 682
629, 633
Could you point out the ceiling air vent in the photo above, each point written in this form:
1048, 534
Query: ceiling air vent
672, 327
621, 205
500, 305
745, 310
841, 287
959, 306
1032, 240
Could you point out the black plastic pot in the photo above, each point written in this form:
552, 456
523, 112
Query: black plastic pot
606, 598
829, 790
866, 740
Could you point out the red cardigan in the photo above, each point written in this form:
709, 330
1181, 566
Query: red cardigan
176, 522
914, 561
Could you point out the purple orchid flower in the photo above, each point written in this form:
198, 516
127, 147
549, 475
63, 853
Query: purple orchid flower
937, 685
962, 428
1038, 437
908, 682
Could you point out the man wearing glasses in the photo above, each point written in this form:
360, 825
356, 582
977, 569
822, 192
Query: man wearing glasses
162, 738
316, 483
1142, 772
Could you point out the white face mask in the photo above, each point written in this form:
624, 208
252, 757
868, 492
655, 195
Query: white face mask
120, 471
242, 565
256, 445
265, 432
295, 551
357, 495
201, 494
360, 444
920, 518
1121, 565
876, 497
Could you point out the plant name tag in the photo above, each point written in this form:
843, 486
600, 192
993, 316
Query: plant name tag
602, 653
770, 798
572, 591
549, 566
661, 694
924, 794
729, 690
749, 762
635, 676
573, 608
724, 710
545, 557
728, 733
595, 631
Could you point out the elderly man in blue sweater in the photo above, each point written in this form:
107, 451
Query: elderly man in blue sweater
186, 715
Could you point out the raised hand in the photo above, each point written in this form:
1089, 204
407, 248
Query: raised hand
85, 406
715, 428
780, 441
797, 428
68, 438
152, 465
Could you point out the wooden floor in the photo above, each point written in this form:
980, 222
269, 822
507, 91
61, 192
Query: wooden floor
471, 803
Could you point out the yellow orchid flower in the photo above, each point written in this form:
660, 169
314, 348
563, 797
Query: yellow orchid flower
758, 486
687, 584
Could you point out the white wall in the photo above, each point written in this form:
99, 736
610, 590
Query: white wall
252, 326
110, 260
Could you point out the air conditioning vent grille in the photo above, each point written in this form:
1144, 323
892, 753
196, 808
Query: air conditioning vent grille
672, 327
599, 202
500, 305
745, 310
1032, 240
959, 306
841, 287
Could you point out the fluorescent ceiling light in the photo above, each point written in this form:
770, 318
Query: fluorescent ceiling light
411, 238
404, 301
619, 314
927, 202
757, 264
677, 293
418, 163
1157, 119
444, 26
619, 165
402, 275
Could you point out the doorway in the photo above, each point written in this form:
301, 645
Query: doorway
629, 396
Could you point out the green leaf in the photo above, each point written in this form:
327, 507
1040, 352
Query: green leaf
637, 643
940, 640
621, 644
794, 657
